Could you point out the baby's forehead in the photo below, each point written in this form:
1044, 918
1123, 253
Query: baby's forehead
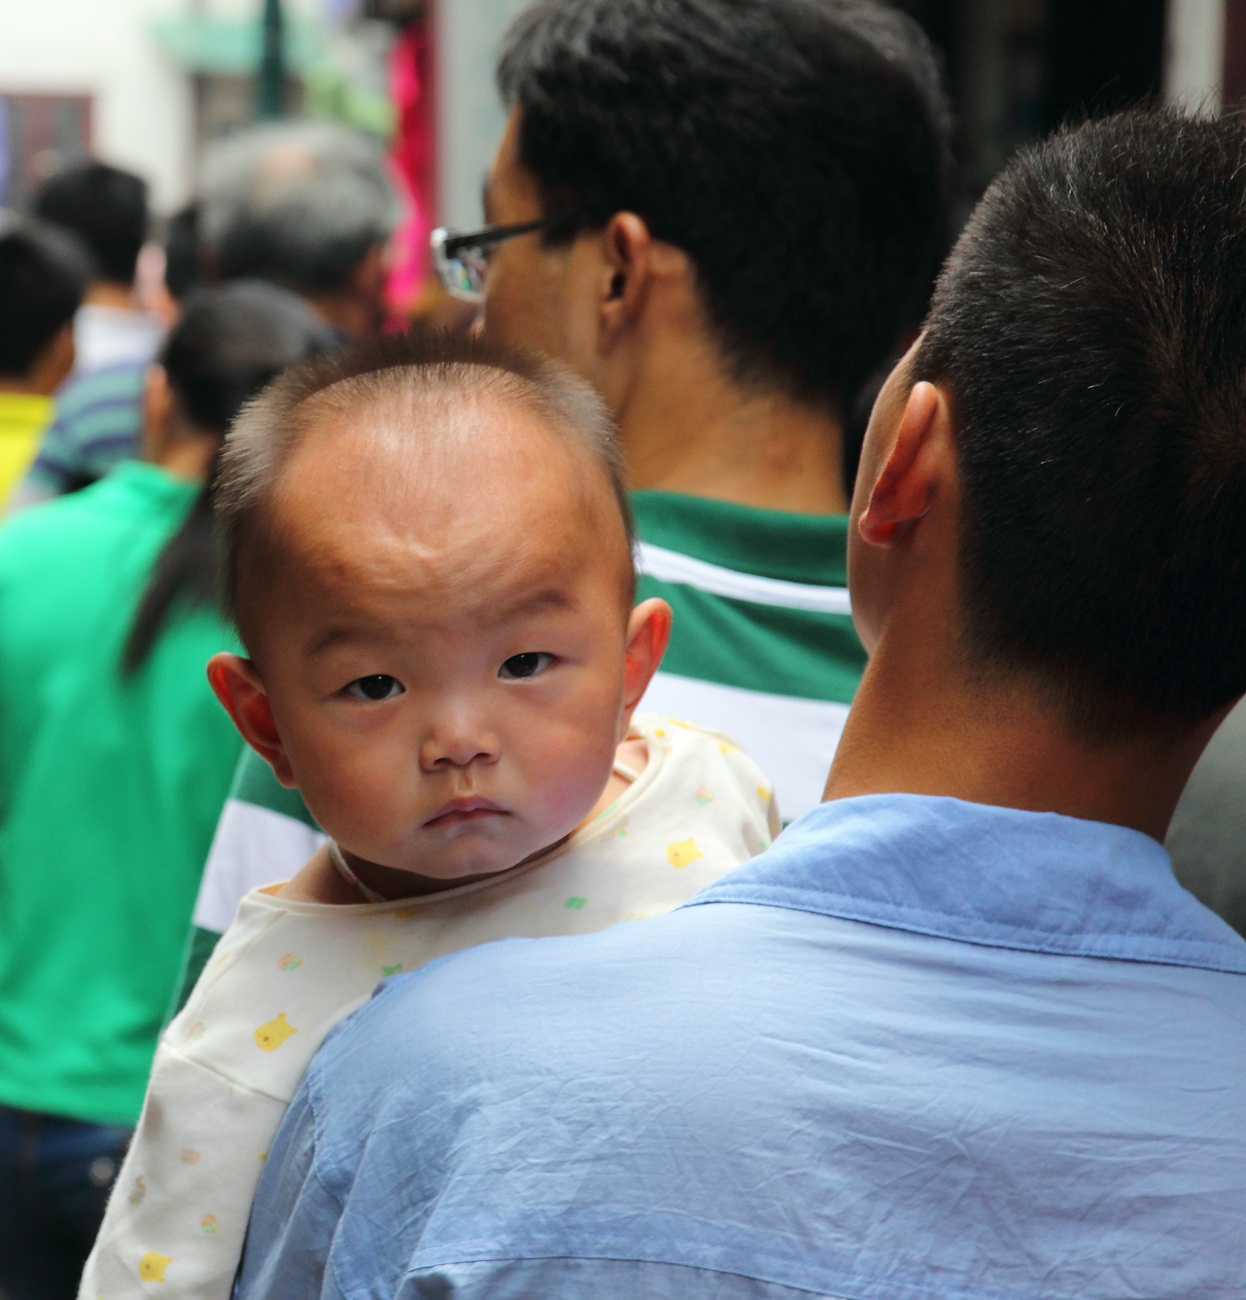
469, 504
437, 466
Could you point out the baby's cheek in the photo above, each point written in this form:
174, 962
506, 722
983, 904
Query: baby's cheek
351, 792
573, 779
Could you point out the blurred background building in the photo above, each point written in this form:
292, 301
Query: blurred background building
144, 83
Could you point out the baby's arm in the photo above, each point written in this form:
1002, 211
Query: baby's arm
223, 1075
179, 1211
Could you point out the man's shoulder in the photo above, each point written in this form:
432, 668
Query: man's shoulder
610, 974
54, 528
107, 387
649, 1086
98, 422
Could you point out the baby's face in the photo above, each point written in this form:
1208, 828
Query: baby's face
443, 642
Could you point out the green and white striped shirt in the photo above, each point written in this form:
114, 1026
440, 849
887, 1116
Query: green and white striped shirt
762, 648
763, 645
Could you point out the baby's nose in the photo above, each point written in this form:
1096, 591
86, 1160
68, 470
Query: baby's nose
458, 741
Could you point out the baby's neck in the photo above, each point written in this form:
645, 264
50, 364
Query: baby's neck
633, 756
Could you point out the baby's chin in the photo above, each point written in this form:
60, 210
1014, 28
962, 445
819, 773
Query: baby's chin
459, 868
435, 868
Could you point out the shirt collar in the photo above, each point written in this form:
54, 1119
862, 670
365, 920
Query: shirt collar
988, 875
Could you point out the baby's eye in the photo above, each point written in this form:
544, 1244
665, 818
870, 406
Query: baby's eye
525, 665
379, 686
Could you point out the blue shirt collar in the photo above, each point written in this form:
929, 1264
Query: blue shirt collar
982, 874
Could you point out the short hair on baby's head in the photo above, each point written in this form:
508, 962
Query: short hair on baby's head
1090, 327
433, 365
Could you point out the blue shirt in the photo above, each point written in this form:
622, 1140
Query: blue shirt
921, 1048
99, 423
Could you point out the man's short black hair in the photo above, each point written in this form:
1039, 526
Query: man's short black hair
796, 150
106, 208
183, 266
43, 275
1090, 327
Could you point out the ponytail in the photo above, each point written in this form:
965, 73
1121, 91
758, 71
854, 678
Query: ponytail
228, 344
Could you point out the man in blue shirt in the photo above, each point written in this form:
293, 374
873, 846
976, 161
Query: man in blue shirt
960, 1032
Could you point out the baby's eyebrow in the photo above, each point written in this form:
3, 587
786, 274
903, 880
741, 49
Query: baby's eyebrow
527, 602
486, 615
335, 636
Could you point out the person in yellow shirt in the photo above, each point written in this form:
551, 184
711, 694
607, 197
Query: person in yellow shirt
43, 275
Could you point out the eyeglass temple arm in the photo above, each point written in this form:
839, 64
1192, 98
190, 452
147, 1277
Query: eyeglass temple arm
486, 237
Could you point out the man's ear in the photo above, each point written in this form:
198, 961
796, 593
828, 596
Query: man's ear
648, 632
242, 695
628, 251
904, 489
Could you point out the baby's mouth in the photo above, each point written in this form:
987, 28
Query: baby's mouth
457, 811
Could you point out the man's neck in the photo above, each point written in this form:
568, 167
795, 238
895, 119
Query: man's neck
919, 726
687, 428
188, 453
106, 293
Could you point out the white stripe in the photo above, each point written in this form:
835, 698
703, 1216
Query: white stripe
253, 847
792, 740
671, 566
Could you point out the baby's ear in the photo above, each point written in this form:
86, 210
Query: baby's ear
648, 632
242, 695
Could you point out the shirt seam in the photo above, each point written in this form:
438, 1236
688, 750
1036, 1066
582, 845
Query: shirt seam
771, 1275
1016, 943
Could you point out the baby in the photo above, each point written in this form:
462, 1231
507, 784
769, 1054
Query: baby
427, 551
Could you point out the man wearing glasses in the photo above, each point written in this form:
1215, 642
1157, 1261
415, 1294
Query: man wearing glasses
725, 214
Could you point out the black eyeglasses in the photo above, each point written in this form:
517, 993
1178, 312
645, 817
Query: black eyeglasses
462, 256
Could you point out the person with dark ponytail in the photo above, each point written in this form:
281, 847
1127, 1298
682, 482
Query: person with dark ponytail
114, 762
208, 369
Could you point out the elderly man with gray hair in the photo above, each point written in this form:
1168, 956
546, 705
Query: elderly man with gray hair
305, 205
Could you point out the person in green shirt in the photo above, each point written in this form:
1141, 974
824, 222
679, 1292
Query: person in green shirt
114, 759
726, 254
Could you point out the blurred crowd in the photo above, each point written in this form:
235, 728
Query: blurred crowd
713, 231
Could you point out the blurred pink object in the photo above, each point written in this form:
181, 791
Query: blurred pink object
413, 158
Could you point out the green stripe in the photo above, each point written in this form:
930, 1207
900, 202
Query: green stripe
771, 543
791, 652
198, 949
